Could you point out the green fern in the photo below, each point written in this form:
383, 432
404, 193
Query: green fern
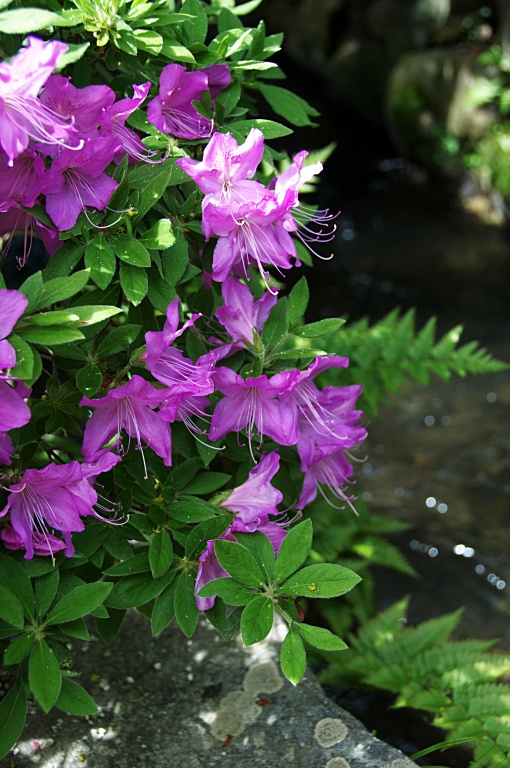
386, 356
457, 681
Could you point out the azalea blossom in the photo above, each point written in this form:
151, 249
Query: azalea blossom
17, 221
113, 123
253, 405
252, 502
83, 107
241, 316
172, 111
77, 179
48, 500
129, 408
20, 182
22, 115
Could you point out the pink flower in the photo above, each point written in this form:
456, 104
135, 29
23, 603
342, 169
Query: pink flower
172, 111
241, 315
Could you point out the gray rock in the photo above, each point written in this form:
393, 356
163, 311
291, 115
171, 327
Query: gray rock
168, 701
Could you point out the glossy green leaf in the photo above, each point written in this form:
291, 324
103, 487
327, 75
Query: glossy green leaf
229, 590
320, 637
89, 379
270, 128
294, 550
13, 713
118, 340
320, 328
24, 20
100, 259
32, 288
186, 611
45, 590
257, 620
130, 250
164, 609
200, 534
151, 192
19, 648
298, 301
11, 609
138, 563
132, 591
134, 283
192, 511
24, 358
262, 550
321, 580
14, 577
79, 602
159, 236
207, 482
289, 105
44, 675
160, 553
75, 699
62, 288
239, 563
293, 657
50, 335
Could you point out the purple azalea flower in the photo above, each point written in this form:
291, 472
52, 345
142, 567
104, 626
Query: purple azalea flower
113, 124
253, 404
299, 219
249, 233
14, 412
252, 502
12, 306
42, 543
21, 182
6, 449
241, 315
83, 106
17, 221
22, 115
76, 179
218, 77
172, 111
226, 167
47, 500
182, 376
131, 408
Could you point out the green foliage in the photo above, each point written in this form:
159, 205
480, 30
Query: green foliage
387, 356
457, 681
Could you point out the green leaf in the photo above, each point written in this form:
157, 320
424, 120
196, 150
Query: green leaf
79, 602
130, 250
32, 289
138, 563
100, 259
19, 648
45, 590
76, 628
64, 260
24, 20
89, 379
151, 192
294, 550
89, 314
320, 328
24, 358
270, 128
13, 713
159, 236
164, 610
257, 620
57, 317
161, 291
75, 699
14, 577
207, 482
298, 301
44, 675
176, 52
11, 609
239, 563
134, 283
62, 288
146, 40
321, 580
287, 104
262, 550
293, 657
186, 611
229, 590
109, 627
277, 325
196, 27
132, 591
160, 553
175, 259
74, 53
118, 340
202, 533
320, 637
50, 335
192, 511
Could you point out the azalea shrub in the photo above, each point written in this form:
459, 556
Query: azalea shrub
163, 426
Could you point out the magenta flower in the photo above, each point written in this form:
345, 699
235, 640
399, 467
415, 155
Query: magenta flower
218, 77
20, 182
241, 315
253, 405
226, 167
129, 408
17, 221
6, 449
47, 500
252, 502
82, 106
182, 376
12, 306
76, 179
113, 124
42, 543
172, 111
22, 115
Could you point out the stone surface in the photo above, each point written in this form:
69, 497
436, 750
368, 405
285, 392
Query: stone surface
168, 701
